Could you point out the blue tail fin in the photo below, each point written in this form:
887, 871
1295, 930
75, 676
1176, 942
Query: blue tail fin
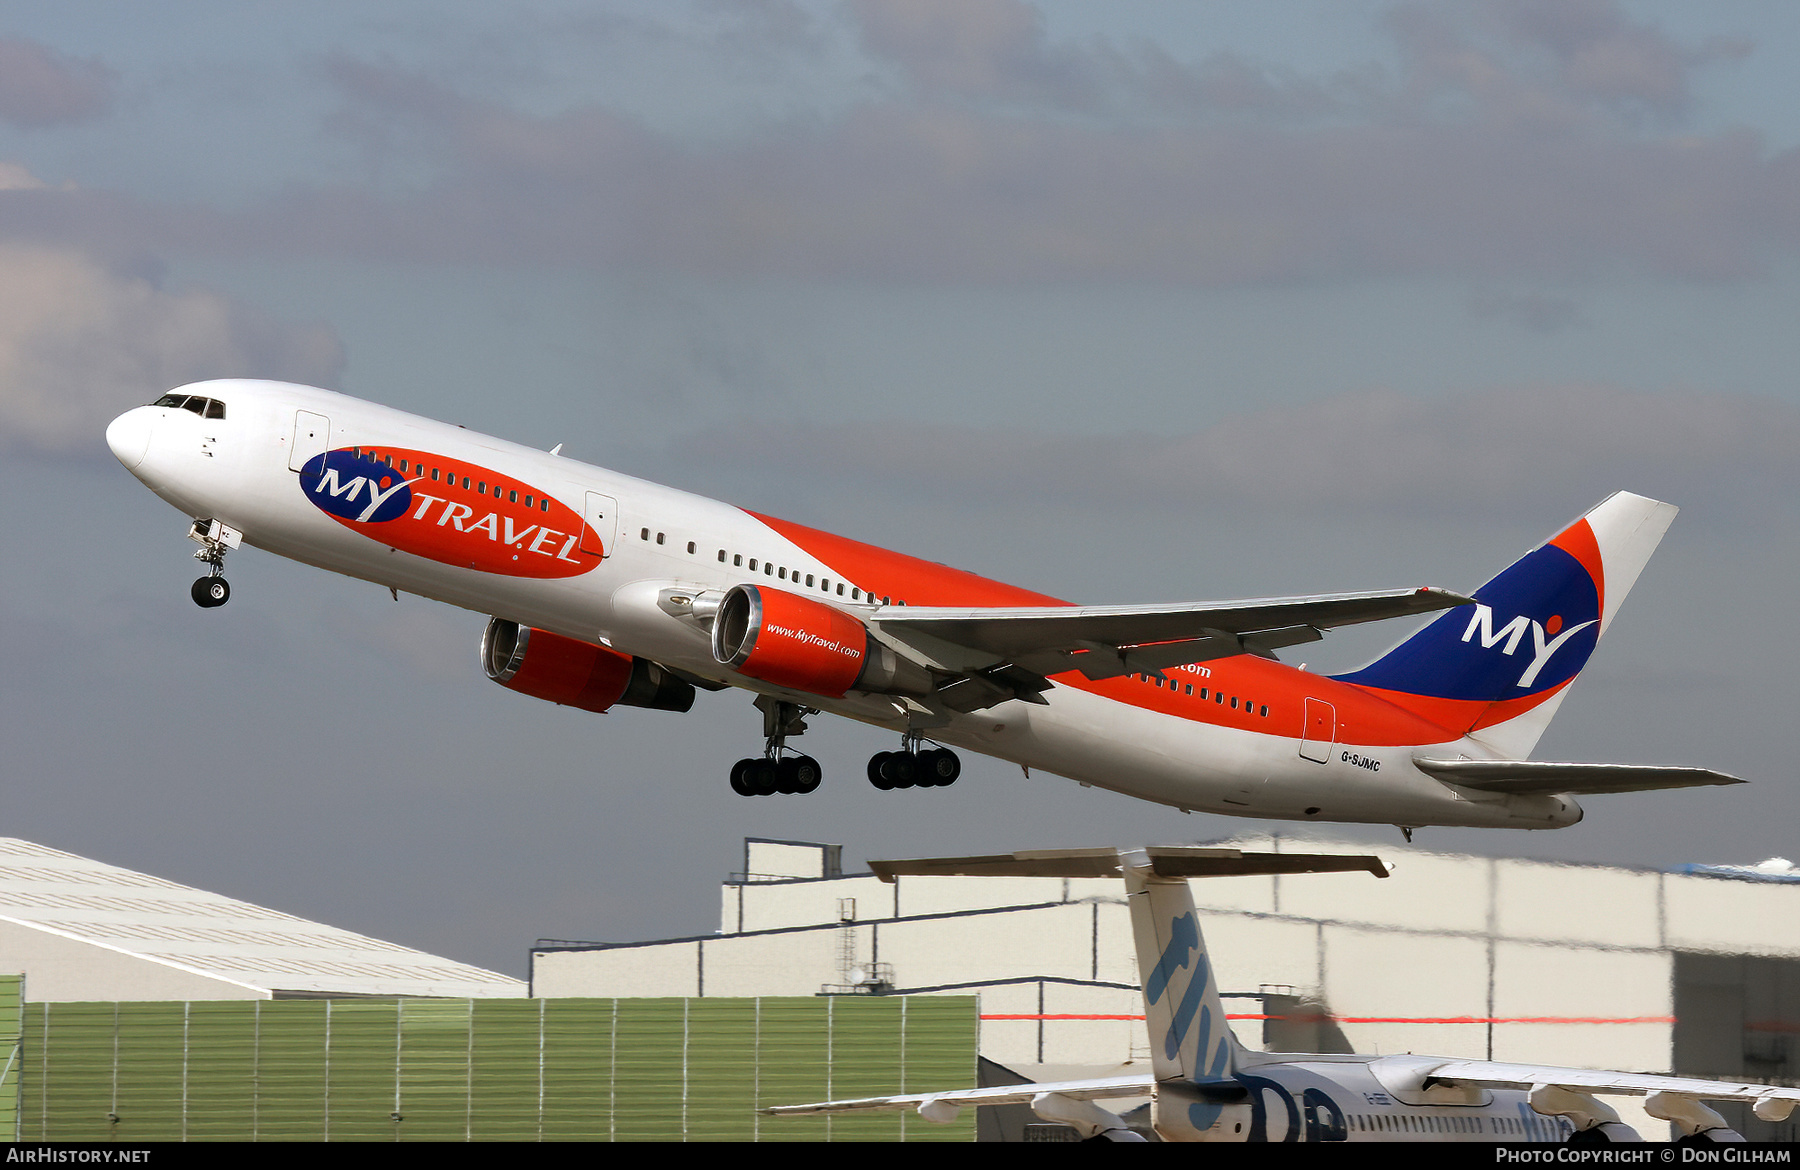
1499, 670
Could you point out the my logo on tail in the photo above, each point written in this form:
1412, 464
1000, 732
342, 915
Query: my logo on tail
1514, 632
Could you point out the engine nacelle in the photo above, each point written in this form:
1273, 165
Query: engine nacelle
806, 645
576, 673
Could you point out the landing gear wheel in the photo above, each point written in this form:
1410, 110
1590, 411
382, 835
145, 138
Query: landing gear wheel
876, 775
762, 777
211, 592
938, 768
807, 774
739, 784
900, 769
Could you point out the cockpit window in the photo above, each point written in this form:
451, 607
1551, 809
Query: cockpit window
204, 407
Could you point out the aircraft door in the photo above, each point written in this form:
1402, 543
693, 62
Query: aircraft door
600, 516
1320, 731
312, 436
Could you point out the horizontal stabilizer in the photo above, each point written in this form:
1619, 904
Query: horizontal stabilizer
1533, 778
1165, 861
1105, 641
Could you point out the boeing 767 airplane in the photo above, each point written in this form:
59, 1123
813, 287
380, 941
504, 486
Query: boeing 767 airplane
606, 590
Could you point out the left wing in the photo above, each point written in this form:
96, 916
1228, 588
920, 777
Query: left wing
946, 1104
1538, 777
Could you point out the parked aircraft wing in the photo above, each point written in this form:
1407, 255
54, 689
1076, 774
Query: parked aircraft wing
946, 1103
1104, 641
1532, 777
1165, 861
1781, 1100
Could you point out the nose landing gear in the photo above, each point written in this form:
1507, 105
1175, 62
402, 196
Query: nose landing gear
775, 771
215, 540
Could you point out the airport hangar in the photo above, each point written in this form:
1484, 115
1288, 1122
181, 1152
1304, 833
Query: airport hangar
1695, 970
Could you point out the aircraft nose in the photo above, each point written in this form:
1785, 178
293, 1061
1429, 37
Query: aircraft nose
129, 435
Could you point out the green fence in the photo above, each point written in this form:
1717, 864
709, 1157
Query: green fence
487, 1069
11, 1003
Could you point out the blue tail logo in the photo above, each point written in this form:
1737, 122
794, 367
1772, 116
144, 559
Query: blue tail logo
1532, 630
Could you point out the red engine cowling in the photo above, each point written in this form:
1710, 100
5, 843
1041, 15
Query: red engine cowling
576, 673
788, 640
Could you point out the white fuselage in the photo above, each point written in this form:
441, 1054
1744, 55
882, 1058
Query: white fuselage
1132, 735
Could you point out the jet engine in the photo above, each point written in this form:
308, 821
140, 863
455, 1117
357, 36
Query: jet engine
796, 642
576, 673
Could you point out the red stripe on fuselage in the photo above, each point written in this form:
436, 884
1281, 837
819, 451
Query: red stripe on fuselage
1364, 716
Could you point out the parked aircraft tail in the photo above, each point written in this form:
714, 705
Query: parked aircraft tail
1497, 671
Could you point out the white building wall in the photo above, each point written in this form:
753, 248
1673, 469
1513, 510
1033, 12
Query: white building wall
1456, 956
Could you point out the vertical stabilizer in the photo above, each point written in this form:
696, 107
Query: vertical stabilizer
1190, 1039
1498, 670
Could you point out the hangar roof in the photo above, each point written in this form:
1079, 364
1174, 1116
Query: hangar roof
208, 934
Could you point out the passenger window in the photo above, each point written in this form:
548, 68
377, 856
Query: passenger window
753, 564
643, 534
809, 580
1264, 712
840, 588
1190, 688
512, 497
769, 568
737, 561
721, 556
543, 505
434, 475
784, 572
659, 538
856, 595
690, 547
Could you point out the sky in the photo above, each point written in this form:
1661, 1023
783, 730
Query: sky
1145, 301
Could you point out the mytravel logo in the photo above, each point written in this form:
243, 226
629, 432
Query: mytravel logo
1547, 637
450, 511
807, 637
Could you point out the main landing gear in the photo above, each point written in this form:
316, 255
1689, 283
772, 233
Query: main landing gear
215, 540
914, 766
776, 771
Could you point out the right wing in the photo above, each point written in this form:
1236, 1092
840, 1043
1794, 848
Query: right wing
1105, 641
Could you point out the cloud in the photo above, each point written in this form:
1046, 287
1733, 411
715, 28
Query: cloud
80, 342
1356, 454
1513, 143
40, 87
1538, 312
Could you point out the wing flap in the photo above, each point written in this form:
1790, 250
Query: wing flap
1539, 777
